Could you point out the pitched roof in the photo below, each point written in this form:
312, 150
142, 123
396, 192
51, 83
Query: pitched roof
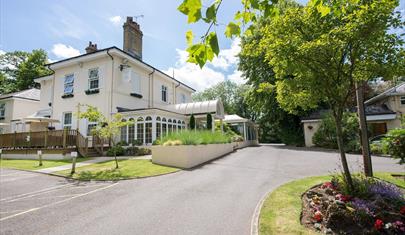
30, 94
127, 54
396, 90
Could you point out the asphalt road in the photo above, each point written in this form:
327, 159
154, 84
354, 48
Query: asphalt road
216, 198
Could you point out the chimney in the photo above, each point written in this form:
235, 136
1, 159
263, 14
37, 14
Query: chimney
91, 48
132, 38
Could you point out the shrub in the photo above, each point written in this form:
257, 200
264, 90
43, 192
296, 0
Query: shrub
137, 143
326, 137
136, 151
122, 143
118, 149
192, 122
394, 144
195, 138
209, 121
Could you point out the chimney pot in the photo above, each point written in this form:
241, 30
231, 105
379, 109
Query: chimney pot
91, 47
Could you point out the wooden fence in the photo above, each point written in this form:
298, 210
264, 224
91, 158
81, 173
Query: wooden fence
45, 140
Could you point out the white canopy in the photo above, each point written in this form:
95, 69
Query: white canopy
212, 106
234, 118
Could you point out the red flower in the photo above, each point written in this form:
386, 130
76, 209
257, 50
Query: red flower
402, 210
378, 224
318, 216
346, 198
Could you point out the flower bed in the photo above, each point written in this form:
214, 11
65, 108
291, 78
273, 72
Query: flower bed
375, 207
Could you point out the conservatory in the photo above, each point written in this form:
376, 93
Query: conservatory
151, 124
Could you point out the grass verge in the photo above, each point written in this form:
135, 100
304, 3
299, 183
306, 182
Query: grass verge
387, 176
34, 164
130, 168
281, 210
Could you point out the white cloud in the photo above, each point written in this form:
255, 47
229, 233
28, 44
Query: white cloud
212, 73
116, 20
64, 51
2, 52
236, 77
228, 57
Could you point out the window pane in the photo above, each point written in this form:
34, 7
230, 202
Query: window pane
402, 99
164, 129
158, 127
140, 131
148, 134
124, 133
69, 78
68, 89
131, 133
93, 84
93, 73
68, 119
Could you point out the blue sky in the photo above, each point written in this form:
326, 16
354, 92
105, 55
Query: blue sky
63, 28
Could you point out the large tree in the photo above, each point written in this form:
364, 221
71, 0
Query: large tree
232, 96
18, 70
318, 52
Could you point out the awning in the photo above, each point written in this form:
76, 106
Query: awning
39, 119
214, 107
382, 117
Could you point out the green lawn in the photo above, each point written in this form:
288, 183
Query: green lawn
388, 177
127, 169
281, 211
34, 164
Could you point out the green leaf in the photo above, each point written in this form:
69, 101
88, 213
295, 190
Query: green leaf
232, 30
213, 42
191, 8
189, 37
197, 54
210, 14
324, 10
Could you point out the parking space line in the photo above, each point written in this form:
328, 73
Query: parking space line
35, 192
58, 202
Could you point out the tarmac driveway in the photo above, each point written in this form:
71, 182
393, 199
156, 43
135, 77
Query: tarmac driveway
216, 198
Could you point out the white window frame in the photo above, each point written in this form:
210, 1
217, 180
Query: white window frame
88, 124
94, 78
64, 125
164, 93
2, 110
402, 99
183, 98
68, 84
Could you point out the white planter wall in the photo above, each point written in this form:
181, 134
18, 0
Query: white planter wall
188, 156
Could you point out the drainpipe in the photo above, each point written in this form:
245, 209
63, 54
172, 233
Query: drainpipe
151, 78
53, 90
174, 98
112, 82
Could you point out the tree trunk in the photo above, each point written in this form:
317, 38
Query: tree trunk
339, 135
365, 147
115, 154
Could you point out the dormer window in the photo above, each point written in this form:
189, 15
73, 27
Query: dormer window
164, 93
93, 79
402, 100
68, 84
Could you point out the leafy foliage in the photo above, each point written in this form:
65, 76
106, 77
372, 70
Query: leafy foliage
18, 70
192, 122
394, 144
326, 136
106, 128
195, 138
209, 121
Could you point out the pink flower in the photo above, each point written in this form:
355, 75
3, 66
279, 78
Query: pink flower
378, 225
